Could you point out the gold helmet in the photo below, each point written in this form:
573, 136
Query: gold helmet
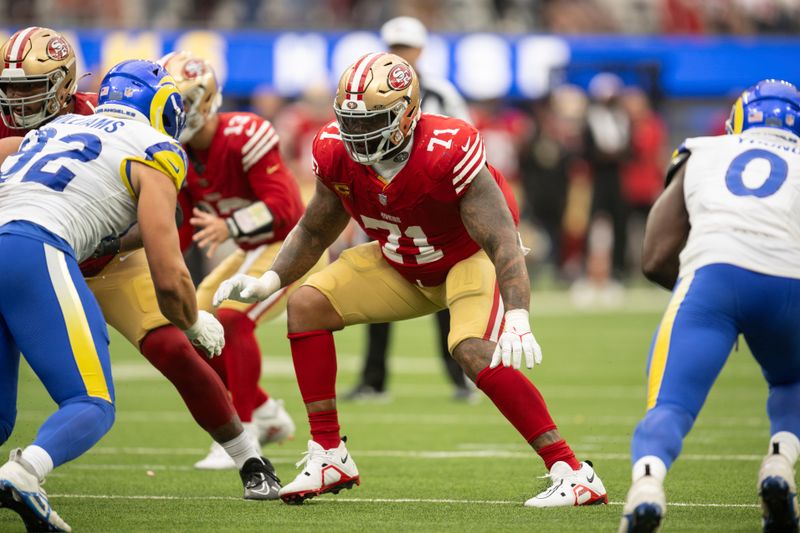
37, 79
377, 106
199, 89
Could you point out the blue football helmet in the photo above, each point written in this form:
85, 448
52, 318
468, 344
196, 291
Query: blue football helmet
767, 104
143, 90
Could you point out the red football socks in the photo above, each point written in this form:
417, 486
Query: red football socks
168, 349
558, 451
325, 428
314, 357
242, 359
522, 404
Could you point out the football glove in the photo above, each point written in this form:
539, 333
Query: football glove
516, 339
207, 334
108, 246
247, 289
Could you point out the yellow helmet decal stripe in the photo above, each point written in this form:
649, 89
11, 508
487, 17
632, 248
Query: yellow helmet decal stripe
738, 115
157, 106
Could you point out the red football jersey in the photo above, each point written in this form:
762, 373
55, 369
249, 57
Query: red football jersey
415, 216
243, 165
84, 105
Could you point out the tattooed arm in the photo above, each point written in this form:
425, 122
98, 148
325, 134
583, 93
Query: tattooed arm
323, 221
321, 224
486, 216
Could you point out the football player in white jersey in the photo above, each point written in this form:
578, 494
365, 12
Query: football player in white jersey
71, 183
725, 238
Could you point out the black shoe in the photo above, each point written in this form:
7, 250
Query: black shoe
259, 479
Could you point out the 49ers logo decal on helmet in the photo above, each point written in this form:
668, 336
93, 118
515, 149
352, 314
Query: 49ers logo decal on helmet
58, 49
193, 68
399, 77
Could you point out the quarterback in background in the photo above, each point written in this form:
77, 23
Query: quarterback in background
37, 85
443, 221
72, 182
239, 188
725, 238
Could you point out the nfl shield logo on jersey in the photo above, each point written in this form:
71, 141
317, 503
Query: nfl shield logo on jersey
383, 199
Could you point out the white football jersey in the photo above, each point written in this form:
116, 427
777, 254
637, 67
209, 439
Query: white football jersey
72, 176
743, 198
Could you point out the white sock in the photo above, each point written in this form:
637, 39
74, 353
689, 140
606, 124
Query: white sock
39, 460
652, 465
788, 445
241, 448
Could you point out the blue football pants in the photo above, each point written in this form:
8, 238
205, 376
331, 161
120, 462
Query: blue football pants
707, 312
48, 313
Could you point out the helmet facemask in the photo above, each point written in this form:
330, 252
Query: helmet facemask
377, 106
34, 108
197, 81
369, 135
195, 118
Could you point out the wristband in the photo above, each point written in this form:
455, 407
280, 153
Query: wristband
272, 281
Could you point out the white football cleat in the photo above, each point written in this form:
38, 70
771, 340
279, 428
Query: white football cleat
645, 506
325, 471
218, 458
778, 493
272, 423
571, 487
21, 492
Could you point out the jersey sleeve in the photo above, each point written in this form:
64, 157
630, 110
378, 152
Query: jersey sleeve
166, 156
257, 139
275, 186
678, 159
322, 153
469, 157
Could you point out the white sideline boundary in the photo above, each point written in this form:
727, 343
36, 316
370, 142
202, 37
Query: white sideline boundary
371, 500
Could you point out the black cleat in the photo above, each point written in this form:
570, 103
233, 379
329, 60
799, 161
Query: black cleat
259, 479
778, 504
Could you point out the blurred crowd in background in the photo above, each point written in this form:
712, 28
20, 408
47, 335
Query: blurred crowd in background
586, 167
557, 16
586, 163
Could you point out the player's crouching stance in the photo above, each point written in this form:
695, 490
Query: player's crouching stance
71, 183
725, 235
444, 228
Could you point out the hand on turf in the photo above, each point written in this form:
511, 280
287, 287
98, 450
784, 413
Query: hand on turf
207, 334
517, 339
247, 289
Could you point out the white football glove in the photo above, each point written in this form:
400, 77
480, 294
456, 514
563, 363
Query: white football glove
515, 340
207, 334
247, 289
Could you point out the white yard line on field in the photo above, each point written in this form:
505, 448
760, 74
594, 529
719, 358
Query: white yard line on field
369, 500
408, 454
709, 423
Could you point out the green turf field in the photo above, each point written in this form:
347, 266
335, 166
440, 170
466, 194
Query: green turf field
427, 463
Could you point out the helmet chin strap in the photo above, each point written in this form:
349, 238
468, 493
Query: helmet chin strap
30, 120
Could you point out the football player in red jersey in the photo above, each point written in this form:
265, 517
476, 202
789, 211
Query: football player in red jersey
37, 83
239, 188
444, 225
